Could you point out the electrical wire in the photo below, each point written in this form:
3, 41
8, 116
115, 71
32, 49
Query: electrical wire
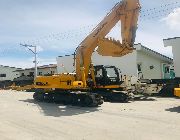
78, 34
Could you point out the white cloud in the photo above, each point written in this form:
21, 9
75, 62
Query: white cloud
173, 19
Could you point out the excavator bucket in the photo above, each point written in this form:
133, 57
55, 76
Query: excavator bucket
111, 47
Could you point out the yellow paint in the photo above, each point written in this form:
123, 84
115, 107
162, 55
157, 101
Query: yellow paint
177, 92
21, 88
62, 81
110, 87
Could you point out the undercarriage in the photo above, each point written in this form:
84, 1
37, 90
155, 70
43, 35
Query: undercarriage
76, 98
106, 88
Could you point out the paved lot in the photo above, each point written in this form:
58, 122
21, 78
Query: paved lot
21, 118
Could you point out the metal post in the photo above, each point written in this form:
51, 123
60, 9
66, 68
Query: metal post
35, 74
35, 56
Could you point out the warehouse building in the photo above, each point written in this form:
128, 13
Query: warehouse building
8, 73
27, 75
41, 70
143, 63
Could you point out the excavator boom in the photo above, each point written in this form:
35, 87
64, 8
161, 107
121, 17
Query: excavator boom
127, 12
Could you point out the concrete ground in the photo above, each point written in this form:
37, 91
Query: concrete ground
21, 118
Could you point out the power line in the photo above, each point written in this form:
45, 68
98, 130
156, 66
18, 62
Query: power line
160, 11
161, 6
148, 14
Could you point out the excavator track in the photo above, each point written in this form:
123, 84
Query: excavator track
115, 96
83, 99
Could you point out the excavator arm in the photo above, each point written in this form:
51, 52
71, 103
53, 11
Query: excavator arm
127, 11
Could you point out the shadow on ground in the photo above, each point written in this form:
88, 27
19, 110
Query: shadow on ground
161, 97
144, 98
174, 109
58, 110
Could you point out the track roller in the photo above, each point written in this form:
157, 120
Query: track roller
115, 96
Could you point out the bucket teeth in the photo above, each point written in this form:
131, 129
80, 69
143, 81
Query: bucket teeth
112, 47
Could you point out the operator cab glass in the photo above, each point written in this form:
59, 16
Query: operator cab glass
106, 75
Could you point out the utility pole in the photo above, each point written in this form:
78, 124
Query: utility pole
35, 56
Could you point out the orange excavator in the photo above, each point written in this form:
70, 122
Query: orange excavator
89, 85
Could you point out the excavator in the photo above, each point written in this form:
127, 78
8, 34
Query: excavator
90, 85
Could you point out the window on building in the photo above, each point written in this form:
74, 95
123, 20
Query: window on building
139, 66
167, 69
140, 74
31, 74
52, 72
2, 75
22, 74
40, 73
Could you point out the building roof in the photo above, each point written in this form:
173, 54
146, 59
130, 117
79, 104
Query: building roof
172, 38
171, 41
40, 67
66, 55
48, 66
140, 47
9, 67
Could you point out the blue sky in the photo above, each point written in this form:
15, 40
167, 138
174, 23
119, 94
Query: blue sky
57, 27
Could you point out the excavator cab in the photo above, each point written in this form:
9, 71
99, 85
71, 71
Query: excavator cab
107, 75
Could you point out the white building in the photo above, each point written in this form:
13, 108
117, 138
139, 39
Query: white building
143, 63
8, 73
175, 43
41, 70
